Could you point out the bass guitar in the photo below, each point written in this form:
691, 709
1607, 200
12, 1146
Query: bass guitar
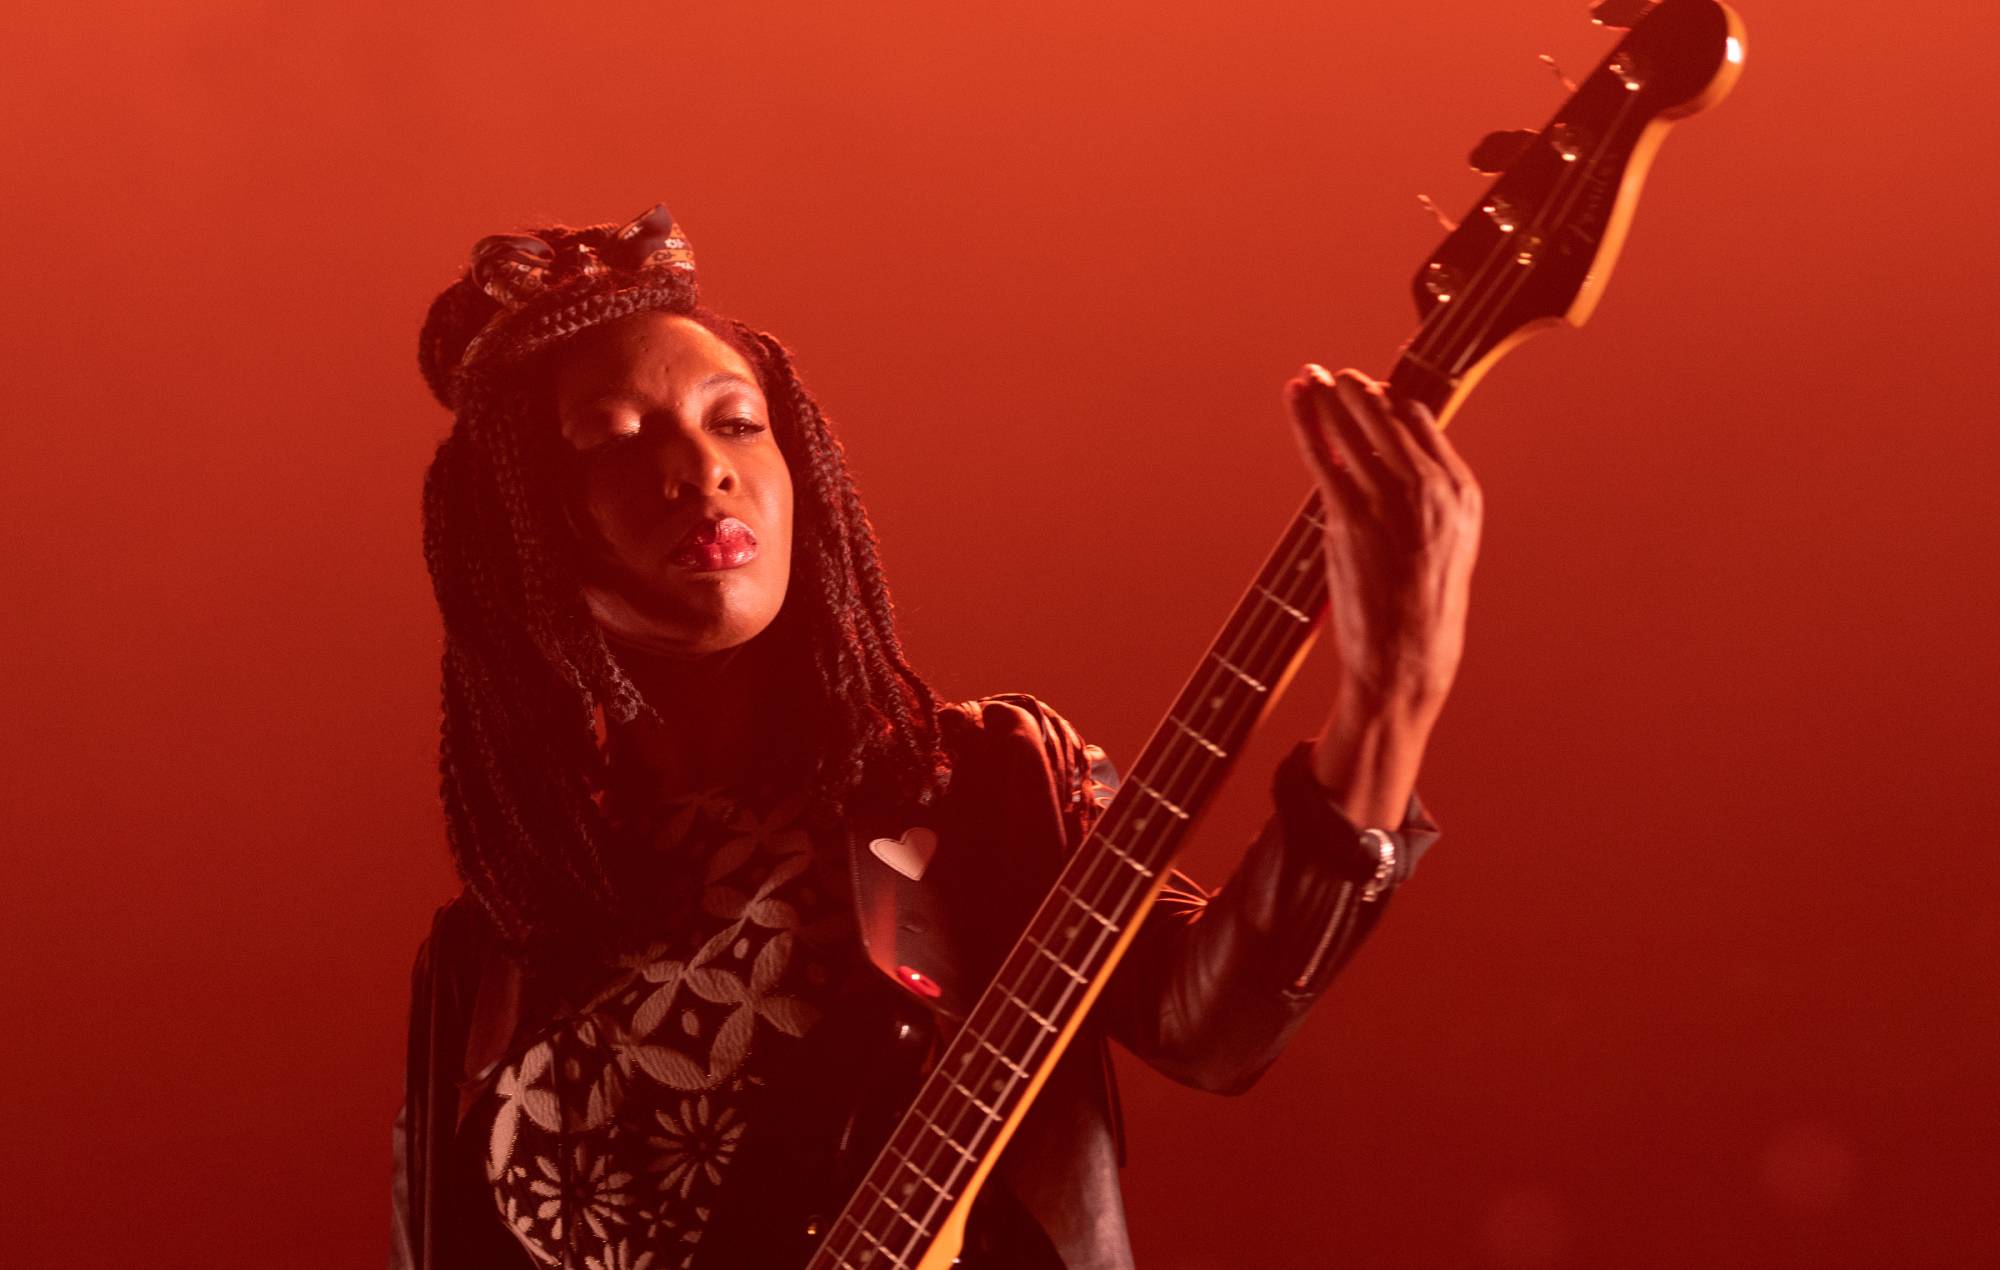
1533, 252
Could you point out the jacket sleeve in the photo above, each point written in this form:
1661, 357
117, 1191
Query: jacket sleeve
423, 1211
1216, 983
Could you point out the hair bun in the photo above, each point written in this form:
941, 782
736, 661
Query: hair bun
565, 260
457, 315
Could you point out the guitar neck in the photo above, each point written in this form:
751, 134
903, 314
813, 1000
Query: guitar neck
1534, 252
910, 1207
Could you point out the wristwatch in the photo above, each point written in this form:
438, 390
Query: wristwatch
1381, 846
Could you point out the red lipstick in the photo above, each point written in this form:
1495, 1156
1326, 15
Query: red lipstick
717, 543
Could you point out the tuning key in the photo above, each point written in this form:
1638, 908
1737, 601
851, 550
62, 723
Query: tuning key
1548, 60
1497, 151
1567, 140
1438, 213
1440, 280
1627, 69
1620, 15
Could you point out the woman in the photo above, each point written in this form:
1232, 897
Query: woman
677, 986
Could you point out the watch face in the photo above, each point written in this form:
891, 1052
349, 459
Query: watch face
1382, 846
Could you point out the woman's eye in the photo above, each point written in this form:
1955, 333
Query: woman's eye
740, 426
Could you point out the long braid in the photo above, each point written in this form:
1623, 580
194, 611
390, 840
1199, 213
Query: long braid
907, 709
525, 667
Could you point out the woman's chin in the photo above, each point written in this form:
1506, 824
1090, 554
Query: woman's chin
692, 622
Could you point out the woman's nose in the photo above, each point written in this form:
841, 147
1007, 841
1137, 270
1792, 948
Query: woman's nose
696, 468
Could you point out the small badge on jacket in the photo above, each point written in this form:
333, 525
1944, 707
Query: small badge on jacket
908, 855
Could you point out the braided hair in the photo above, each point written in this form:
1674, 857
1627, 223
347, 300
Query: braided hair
526, 668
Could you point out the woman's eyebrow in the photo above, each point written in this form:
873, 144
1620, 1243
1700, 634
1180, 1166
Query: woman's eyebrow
612, 400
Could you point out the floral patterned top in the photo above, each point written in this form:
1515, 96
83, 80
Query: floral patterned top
616, 1126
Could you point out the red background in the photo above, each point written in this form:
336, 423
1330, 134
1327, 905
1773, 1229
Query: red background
1703, 972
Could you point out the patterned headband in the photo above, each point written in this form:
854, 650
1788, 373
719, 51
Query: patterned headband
515, 269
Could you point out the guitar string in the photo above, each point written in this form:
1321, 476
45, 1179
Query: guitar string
1570, 177
982, 1034
1495, 299
1212, 677
1579, 182
1289, 558
1495, 257
988, 1032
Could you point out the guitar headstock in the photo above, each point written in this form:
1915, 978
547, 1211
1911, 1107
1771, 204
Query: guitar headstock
1539, 246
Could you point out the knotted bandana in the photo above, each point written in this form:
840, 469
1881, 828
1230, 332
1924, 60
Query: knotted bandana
515, 269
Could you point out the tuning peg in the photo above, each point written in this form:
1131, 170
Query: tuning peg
1437, 213
1569, 85
1620, 15
1497, 151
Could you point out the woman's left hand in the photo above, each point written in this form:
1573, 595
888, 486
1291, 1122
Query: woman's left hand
1403, 516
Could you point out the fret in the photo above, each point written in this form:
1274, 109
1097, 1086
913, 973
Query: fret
868, 1187
1076, 901
989, 1113
1126, 856
1071, 936
1445, 377
1240, 673
1197, 737
950, 1141
998, 1053
1064, 966
1027, 1009
927, 1180
889, 1201
1289, 610
899, 1197
1420, 378
1317, 523
868, 1254
1160, 798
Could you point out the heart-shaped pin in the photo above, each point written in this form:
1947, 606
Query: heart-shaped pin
908, 855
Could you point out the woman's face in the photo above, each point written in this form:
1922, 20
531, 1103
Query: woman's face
678, 492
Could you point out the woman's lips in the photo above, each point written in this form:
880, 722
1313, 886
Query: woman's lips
722, 543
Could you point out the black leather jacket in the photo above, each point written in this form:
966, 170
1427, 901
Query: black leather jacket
1210, 991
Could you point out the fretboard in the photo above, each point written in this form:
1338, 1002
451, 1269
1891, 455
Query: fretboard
1019, 1026
1535, 250
1003, 1053
997, 1061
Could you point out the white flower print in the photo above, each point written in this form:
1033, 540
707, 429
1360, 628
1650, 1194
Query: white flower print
619, 1256
694, 1145
591, 1188
615, 1125
518, 1094
667, 974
